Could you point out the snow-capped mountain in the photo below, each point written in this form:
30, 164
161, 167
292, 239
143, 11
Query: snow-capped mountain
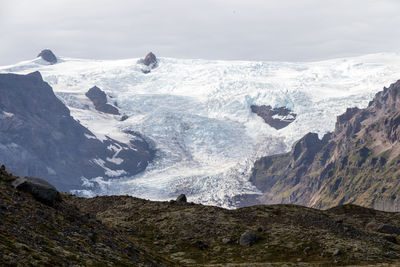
197, 114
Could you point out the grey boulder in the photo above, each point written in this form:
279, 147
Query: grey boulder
248, 239
181, 199
41, 190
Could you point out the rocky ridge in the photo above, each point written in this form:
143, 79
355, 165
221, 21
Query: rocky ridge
357, 163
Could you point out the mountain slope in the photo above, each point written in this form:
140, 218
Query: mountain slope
38, 137
197, 114
357, 163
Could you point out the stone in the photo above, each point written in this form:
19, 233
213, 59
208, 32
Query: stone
336, 252
248, 239
307, 250
181, 199
48, 56
226, 240
40, 189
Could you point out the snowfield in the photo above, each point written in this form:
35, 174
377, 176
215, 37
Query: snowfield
197, 114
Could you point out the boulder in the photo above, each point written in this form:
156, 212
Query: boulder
181, 199
48, 56
226, 240
248, 239
99, 99
41, 190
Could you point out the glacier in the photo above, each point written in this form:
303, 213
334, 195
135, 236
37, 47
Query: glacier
197, 114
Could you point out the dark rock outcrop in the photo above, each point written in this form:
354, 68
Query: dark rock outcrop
275, 117
181, 199
40, 190
39, 138
150, 60
48, 56
357, 163
99, 99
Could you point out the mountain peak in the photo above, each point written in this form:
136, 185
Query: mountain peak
150, 59
48, 56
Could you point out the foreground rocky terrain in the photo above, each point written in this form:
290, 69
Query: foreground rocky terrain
37, 234
127, 231
357, 163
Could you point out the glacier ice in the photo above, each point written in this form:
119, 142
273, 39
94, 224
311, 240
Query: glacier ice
197, 113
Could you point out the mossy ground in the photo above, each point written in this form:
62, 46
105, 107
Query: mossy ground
192, 235
35, 234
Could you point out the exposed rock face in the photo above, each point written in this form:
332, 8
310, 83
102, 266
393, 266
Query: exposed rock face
275, 117
40, 190
39, 138
99, 99
48, 56
357, 163
305, 149
150, 60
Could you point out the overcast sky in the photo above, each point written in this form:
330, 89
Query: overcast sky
283, 30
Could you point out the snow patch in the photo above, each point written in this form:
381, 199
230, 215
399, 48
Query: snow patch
51, 171
115, 148
4, 115
90, 136
107, 171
